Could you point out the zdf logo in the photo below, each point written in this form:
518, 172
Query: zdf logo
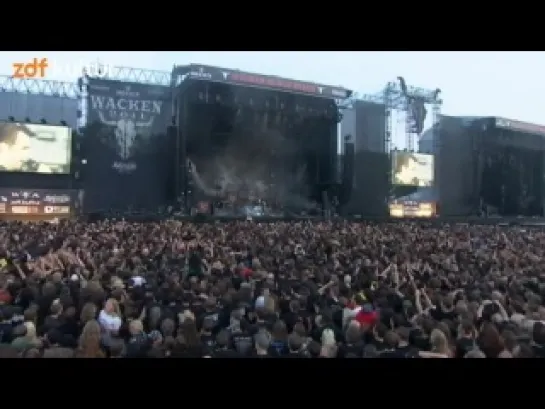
35, 68
46, 68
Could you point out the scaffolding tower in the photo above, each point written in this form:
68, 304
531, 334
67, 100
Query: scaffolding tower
398, 97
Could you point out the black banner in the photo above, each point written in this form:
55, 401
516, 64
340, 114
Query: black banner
370, 126
369, 196
125, 145
236, 77
53, 202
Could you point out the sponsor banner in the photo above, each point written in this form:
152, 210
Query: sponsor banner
520, 126
413, 209
412, 169
35, 148
36, 201
125, 144
217, 74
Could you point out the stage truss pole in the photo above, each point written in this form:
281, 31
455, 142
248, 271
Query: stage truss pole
388, 91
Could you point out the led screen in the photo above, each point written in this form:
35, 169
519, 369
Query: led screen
35, 148
412, 169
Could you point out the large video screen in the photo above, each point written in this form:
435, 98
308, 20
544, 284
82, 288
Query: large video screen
412, 169
35, 148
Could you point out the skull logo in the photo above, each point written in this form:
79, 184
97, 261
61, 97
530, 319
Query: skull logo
125, 133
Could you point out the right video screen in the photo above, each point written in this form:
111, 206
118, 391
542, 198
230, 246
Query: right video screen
412, 169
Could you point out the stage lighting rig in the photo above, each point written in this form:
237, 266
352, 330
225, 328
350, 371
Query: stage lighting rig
397, 96
415, 101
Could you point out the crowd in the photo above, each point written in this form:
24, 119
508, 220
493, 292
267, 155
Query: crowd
277, 290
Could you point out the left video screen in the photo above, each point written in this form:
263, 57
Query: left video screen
35, 148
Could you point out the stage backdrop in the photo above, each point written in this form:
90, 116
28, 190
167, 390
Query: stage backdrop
125, 145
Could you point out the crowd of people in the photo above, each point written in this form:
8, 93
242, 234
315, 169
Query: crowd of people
338, 289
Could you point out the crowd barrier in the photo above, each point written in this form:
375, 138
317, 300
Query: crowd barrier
473, 220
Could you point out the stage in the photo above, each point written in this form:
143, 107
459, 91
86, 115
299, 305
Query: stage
244, 138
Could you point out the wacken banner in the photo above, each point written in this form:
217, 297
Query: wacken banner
125, 143
128, 113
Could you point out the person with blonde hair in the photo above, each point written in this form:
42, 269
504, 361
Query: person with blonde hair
29, 339
329, 345
439, 346
110, 317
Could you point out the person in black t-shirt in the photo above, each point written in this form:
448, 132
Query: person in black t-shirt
404, 347
466, 339
223, 349
295, 347
538, 337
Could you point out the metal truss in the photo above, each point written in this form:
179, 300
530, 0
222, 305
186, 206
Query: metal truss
140, 75
39, 87
394, 97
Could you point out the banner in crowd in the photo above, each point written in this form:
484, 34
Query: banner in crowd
54, 202
35, 148
125, 145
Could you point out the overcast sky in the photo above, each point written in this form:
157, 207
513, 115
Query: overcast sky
507, 84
